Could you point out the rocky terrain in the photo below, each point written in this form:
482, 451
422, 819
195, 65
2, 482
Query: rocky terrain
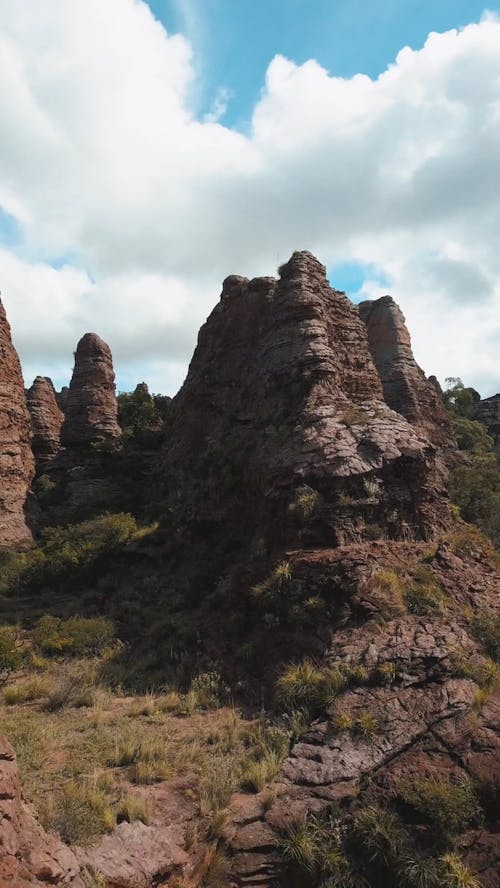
16, 457
306, 563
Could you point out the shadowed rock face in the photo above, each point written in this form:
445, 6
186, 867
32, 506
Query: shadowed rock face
489, 414
46, 419
16, 458
91, 408
282, 392
406, 388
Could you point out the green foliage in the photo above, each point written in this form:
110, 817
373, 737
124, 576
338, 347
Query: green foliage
136, 412
64, 551
305, 503
486, 628
475, 488
449, 806
72, 637
423, 595
460, 400
11, 655
80, 812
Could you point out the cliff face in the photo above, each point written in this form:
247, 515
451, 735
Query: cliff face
488, 412
46, 420
91, 408
16, 458
282, 393
406, 388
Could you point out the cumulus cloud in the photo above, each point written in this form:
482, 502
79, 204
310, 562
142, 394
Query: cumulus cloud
131, 210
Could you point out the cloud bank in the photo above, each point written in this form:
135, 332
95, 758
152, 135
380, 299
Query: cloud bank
128, 212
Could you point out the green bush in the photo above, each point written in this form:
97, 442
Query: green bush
423, 594
486, 628
72, 637
11, 656
449, 806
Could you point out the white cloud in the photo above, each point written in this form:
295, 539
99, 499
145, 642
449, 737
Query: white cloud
102, 160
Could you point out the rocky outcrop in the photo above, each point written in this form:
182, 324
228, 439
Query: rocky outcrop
91, 410
16, 458
406, 388
62, 397
282, 395
29, 857
46, 420
488, 412
413, 694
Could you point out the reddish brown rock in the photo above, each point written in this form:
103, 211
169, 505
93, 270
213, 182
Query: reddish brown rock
29, 857
62, 397
282, 393
16, 457
91, 410
46, 420
406, 388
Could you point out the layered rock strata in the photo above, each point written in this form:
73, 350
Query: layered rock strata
91, 409
281, 395
46, 420
16, 457
406, 388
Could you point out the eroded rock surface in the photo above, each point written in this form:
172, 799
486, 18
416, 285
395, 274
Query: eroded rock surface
282, 392
488, 412
406, 388
46, 420
16, 457
91, 409
29, 857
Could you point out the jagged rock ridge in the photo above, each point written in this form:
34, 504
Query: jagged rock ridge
46, 420
16, 458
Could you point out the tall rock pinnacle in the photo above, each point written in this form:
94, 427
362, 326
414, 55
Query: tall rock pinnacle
46, 419
406, 388
16, 458
91, 410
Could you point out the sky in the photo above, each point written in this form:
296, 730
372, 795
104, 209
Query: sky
148, 150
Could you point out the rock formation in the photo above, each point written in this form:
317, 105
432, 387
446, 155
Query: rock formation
488, 412
406, 388
46, 420
29, 857
91, 409
282, 394
62, 397
16, 458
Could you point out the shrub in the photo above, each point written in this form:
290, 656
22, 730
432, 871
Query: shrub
74, 636
449, 806
423, 594
72, 689
387, 585
457, 875
381, 836
305, 503
207, 689
217, 787
80, 812
11, 656
25, 691
486, 628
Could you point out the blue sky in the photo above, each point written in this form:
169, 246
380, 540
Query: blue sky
234, 40
150, 149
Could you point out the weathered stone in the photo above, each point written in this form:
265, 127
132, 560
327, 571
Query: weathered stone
488, 412
406, 388
46, 420
16, 457
91, 410
282, 392
29, 857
